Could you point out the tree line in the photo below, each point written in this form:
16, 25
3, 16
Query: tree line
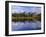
24, 14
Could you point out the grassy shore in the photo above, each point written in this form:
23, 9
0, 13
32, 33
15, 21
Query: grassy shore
26, 18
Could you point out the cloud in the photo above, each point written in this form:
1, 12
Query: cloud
26, 9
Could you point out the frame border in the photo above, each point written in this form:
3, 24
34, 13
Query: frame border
7, 17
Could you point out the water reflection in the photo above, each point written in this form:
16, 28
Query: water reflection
17, 26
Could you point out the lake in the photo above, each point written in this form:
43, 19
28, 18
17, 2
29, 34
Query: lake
26, 25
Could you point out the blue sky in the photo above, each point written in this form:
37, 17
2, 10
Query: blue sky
21, 9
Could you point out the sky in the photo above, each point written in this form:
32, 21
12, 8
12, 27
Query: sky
26, 9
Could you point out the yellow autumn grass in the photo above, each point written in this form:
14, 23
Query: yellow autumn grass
25, 18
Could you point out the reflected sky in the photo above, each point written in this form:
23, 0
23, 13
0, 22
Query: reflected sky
20, 26
21, 9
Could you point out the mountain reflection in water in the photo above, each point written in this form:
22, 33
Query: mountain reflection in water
20, 26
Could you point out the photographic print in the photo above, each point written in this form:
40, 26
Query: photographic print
25, 18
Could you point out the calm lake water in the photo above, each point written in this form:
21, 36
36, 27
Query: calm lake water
20, 26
